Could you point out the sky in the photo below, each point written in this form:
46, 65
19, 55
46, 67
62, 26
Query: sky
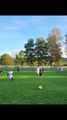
16, 30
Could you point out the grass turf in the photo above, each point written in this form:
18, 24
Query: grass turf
24, 87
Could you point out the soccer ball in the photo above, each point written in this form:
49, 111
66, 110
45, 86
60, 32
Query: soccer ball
40, 87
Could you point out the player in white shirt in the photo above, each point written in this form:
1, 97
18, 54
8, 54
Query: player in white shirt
61, 68
10, 74
37, 71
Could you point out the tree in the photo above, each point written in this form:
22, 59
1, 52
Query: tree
56, 33
6, 59
29, 50
53, 43
20, 58
0, 60
66, 46
40, 50
17, 62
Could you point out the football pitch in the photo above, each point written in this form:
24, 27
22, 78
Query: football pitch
23, 89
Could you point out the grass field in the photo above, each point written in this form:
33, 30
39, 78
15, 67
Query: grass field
24, 88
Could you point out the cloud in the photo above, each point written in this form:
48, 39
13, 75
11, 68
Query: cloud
12, 25
23, 41
20, 23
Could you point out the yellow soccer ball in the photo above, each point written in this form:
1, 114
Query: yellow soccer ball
40, 87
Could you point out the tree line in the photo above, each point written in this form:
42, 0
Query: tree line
42, 52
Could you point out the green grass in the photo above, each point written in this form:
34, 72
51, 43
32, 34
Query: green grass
24, 88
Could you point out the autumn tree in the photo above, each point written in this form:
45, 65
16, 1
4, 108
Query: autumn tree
6, 59
54, 47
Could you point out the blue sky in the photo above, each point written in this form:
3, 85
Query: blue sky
16, 30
